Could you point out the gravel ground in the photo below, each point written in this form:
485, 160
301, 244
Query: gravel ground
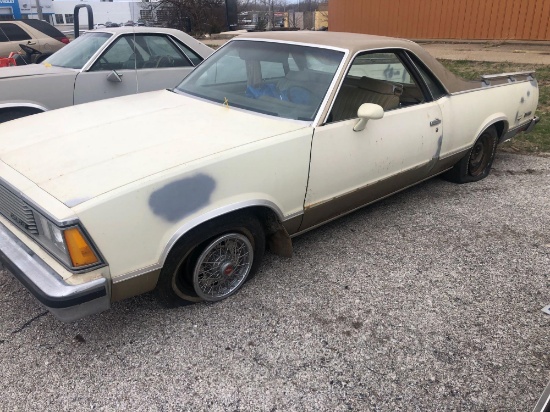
429, 300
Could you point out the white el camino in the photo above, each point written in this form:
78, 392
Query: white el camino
100, 64
181, 190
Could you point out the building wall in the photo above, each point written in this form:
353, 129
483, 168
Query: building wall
116, 12
26, 9
444, 19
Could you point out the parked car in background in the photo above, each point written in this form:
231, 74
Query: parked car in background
275, 134
38, 34
100, 64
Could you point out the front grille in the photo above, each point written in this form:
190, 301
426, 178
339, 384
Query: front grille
16, 210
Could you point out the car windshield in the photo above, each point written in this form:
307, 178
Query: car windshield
77, 53
279, 79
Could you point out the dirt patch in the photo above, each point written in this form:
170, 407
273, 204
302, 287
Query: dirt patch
491, 52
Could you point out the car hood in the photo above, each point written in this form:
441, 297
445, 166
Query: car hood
32, 70
83, 151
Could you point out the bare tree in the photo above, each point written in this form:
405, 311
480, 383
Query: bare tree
195, 16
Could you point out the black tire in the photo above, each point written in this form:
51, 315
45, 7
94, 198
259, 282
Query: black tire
476, 165
180, 276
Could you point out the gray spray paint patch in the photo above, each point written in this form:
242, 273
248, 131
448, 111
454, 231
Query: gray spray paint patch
438, 150
435, 158
76, 201
182, 197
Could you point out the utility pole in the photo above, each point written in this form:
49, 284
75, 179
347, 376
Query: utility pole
38, 9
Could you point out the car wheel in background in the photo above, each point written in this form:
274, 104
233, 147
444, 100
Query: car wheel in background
6, 116
212, 262
476, 165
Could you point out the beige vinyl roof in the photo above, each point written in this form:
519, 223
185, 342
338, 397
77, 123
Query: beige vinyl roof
362, 42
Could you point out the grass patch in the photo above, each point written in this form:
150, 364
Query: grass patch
538, 141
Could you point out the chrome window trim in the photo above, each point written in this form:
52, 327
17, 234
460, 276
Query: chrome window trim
29, 105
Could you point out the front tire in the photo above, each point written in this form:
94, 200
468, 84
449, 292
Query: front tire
476, 165
212, 262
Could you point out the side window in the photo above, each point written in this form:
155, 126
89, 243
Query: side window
191, 55
380, 78
436, 89
119, 56
3, 37
14, 32
162, 52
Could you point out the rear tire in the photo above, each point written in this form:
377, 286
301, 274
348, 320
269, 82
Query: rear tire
476, 165
212, 262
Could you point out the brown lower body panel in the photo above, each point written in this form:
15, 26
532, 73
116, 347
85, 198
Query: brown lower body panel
315, 215
134, 286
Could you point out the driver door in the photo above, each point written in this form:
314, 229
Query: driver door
99, 82
349, 168
143, 62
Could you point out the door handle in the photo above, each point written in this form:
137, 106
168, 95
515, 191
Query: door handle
435, 122
30, 42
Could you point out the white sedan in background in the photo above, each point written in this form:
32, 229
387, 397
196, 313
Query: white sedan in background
100, 64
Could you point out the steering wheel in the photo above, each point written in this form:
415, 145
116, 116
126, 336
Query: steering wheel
165, 61
103, 60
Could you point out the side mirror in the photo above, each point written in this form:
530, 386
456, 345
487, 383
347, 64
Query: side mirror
366, 112
114, 77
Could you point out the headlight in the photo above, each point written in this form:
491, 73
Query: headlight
68, 244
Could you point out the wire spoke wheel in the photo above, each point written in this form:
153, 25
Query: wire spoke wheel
223, 267
212, 261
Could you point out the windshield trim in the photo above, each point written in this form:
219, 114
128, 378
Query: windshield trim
241, 109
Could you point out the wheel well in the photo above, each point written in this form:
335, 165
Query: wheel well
19, 111
278, 240
500, 127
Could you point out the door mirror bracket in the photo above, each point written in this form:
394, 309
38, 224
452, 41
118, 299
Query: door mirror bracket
366, 112
114, 77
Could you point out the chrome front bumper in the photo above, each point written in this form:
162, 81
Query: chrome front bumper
66, 302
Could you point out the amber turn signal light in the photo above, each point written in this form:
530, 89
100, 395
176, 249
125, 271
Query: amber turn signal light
80, 251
